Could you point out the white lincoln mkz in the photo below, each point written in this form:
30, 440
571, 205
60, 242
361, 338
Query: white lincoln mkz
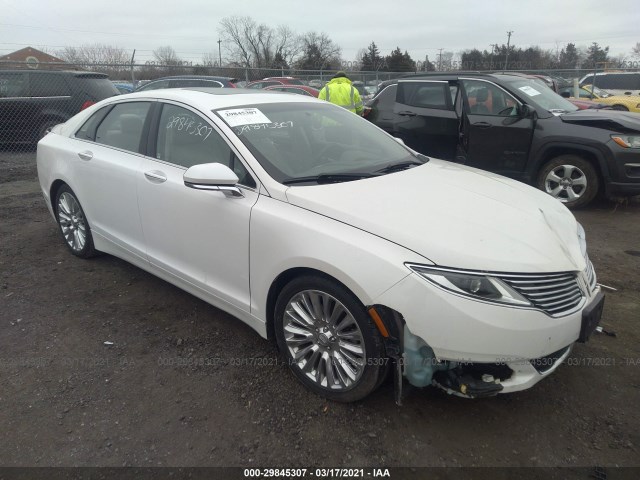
354, 253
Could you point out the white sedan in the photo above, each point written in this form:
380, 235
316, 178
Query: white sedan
354, 253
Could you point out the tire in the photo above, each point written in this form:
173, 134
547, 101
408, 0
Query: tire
73, 224
622, 108
571, 179
328, 339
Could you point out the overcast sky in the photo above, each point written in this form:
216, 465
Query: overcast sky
421, 27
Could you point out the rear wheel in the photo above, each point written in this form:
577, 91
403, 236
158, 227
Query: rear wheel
328, 340
73, 223
570, 179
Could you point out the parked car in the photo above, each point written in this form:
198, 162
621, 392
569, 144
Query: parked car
364, 94
554, 83
516, 127
629, 103
33, 101
270, 81
329, 237
299, 89
616, 83
184, 81
124, 87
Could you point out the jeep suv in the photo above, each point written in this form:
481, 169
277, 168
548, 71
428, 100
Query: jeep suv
517, 127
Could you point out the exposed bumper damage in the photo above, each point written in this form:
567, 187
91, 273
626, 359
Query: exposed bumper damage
415, 360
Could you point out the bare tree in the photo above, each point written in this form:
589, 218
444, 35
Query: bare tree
210, 60
251, 44
320, 52
94, 54
635, 51
166, 56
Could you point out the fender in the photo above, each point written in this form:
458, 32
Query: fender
544, 153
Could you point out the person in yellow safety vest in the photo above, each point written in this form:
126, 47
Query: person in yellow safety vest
341, 92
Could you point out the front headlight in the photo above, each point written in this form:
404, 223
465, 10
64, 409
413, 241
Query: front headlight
627, 141
470, 284
582, 239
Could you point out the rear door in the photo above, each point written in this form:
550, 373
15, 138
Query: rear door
15, 108
426, 120
381, 109
494, 136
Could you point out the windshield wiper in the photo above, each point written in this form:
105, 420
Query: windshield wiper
396, 167
330, 178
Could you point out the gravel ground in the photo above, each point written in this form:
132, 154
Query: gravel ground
185, 384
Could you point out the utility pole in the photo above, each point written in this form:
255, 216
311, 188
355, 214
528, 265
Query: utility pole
493, 46
133, 76
440, 59
506, 62
219, 54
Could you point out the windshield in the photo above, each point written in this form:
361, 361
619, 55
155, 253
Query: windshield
297, 141
537, 93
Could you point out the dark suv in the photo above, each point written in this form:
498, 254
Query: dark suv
517, 127
32, 101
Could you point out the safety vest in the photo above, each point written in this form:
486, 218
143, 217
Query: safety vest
341, 92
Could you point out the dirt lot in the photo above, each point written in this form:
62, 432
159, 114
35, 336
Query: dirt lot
186, 385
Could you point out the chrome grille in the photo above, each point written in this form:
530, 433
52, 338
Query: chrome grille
554, 293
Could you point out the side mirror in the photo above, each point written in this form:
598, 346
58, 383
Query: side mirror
527, 111
212, 176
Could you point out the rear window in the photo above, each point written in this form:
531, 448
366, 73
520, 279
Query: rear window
295, 81
97, 88
425, 94
48, 85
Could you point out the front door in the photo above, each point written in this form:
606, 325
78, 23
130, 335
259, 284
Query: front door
199, 236
494, 135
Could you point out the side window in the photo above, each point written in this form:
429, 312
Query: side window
256, 85
268, 84
48, 85
186, 139
485, 98
122, 127
387, 98
88, 129
424, 94
12, 85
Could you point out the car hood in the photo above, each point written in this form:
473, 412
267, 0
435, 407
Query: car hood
455, 216
607, 119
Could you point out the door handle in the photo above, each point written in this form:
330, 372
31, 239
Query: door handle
407, 113
155, 176
86, 155
482, 125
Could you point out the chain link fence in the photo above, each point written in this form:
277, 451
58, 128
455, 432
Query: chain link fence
33, 98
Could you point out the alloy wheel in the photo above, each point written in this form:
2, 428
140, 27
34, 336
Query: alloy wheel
72, 222
324, 340
567, 183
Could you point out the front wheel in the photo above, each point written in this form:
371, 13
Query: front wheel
328, 340
570, 179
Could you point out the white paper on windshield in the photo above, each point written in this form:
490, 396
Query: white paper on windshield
243, 116
532, 92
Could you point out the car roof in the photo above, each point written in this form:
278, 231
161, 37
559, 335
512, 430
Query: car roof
214, 98
75, 73
193, 77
